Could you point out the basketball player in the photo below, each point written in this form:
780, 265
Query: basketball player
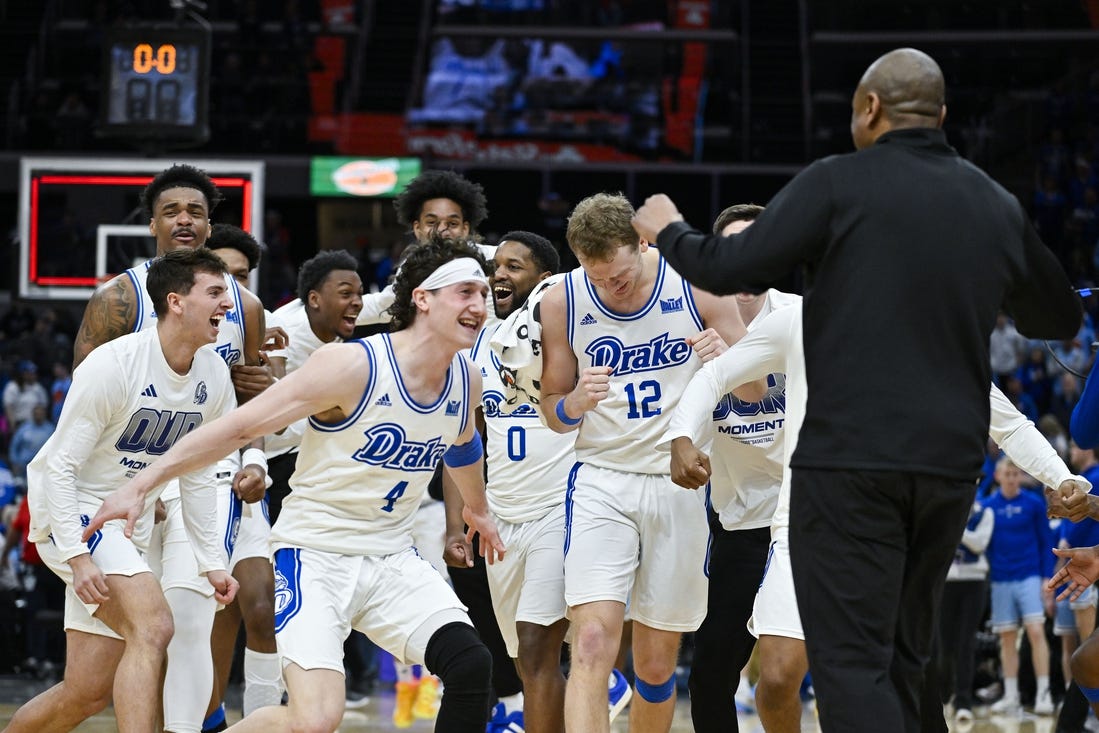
445, 203
775, 345
179, 201
329, 303
384, 411
617, 350
528, 468
747, 473
128, 403
250, 560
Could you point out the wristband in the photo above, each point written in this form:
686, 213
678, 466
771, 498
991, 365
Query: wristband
254, 457
564, 416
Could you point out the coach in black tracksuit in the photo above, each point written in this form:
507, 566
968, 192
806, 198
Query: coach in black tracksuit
912, 251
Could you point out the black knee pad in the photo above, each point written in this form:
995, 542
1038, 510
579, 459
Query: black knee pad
456, 653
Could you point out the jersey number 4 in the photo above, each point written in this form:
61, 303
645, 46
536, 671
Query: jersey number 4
395, 493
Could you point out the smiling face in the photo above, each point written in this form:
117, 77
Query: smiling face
203, 307
443, 216
515, 277
455, 313
181, 219
335, 304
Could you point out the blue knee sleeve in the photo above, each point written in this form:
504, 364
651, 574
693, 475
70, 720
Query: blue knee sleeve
659, 693
1091, 693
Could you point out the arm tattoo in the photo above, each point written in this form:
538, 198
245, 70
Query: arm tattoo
111, 312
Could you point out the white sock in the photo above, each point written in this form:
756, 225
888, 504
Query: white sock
262, 680
513, 702
190, 674
1011, 687
1043, 684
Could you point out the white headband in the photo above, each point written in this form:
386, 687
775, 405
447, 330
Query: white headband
463, 269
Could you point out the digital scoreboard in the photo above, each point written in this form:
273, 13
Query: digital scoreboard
156, 83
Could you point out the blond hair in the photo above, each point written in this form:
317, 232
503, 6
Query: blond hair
599, 225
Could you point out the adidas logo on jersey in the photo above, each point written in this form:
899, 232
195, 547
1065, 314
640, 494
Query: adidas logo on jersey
149, 391
671, 305
384, 401
453, 407
588, 320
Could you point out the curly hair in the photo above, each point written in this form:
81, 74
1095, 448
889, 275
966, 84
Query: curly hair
420, 261
736, 212
180, 175
227, 236
542, 252
599, 225
314, 270
429, 185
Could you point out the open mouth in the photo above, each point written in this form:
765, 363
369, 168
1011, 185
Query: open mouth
470, 324
501, 296
347, 323
215, 321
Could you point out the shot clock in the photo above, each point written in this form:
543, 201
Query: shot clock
156, 83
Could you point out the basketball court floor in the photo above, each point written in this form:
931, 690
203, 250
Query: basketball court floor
376, 716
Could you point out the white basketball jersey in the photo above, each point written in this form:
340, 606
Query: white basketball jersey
528, 464
230, 343
746, 459
301, 343
359, 482
785, 329
651, 361
126, 408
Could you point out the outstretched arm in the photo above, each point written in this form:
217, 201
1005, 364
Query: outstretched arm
332, 377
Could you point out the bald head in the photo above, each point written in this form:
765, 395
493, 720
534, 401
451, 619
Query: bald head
903, 88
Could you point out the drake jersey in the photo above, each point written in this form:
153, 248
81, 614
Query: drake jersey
528, 464
126, 407
358, 482
746, 459
651, 361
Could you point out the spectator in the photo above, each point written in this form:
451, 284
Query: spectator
1056, 434
965, 596
1020, 564
1065, 398
28, 440
23, 394
7, 484
1023, 402
1035, 379
46, 593
62, 380
1006, 348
